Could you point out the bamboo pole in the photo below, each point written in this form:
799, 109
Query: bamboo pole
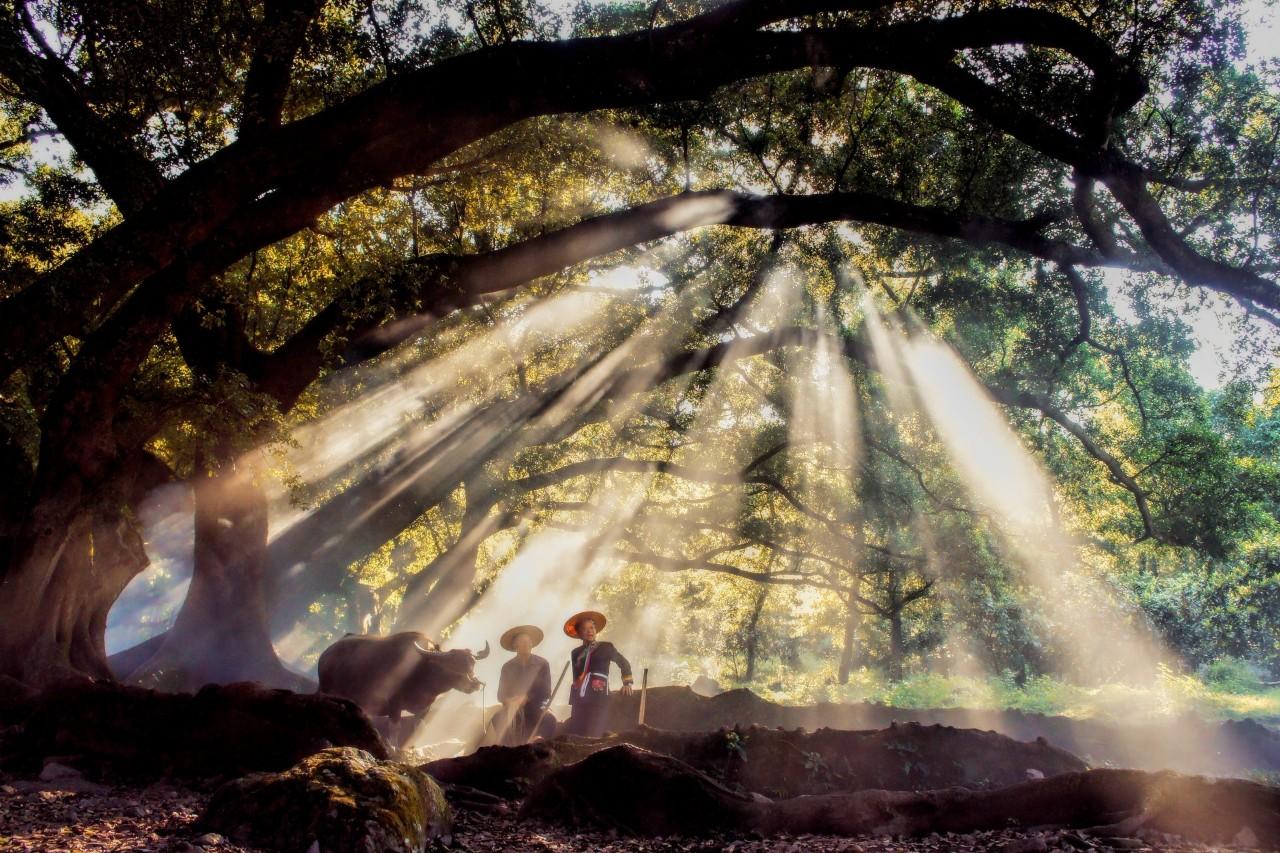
554, 691
644, 692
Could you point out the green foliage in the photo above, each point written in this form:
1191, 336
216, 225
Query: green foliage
1171, 695
848, 549
1232, 675
736, 744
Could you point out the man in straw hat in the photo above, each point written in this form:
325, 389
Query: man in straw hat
589, 697
524, 687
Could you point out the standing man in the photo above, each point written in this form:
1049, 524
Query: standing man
524, 687
589, 696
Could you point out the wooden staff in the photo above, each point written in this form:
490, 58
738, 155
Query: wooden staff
554, 691
644, 692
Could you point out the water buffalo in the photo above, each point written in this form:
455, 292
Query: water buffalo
402, 672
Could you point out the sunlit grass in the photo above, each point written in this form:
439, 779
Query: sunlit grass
1169, 694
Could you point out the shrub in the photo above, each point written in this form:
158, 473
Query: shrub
1232, 675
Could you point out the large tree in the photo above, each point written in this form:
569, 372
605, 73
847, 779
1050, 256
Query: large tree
1056, 140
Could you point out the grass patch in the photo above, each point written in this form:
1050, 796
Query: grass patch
1223, 691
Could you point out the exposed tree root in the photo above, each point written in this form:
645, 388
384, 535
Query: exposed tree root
635, 791
132, 732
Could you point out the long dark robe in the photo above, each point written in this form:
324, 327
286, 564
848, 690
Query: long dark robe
589, 692
532, 681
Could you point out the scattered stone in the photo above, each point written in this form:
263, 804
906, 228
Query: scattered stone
210, 839
53, 771
1075, 840
343, 798
1245, 838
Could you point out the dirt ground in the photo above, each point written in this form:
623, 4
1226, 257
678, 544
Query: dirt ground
39, 816
85, 818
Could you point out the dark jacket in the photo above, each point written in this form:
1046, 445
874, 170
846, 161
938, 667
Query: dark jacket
593, 686
531, 680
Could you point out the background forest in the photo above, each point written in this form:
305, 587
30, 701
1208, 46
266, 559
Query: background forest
911, 417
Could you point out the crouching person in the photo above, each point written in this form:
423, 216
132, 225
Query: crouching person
524, 688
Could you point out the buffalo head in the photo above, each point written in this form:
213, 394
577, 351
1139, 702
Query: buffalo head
456, 667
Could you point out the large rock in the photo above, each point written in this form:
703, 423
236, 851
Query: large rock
638, 792
222, 730
1186, 744
787, 763
634, 791
341, 800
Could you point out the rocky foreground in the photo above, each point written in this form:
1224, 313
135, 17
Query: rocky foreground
239, 767
77, 817
65, 815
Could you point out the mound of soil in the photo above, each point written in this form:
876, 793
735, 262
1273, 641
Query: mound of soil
507, 771
1186, 744
630, 790
786, 763
637, 792
221, 731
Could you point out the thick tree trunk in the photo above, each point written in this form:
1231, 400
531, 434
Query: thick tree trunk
897, 645
897, 633
35, 596
54, 610
114, 556
64, 567
220, 635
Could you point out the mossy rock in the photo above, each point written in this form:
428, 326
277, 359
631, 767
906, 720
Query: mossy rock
341, 799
